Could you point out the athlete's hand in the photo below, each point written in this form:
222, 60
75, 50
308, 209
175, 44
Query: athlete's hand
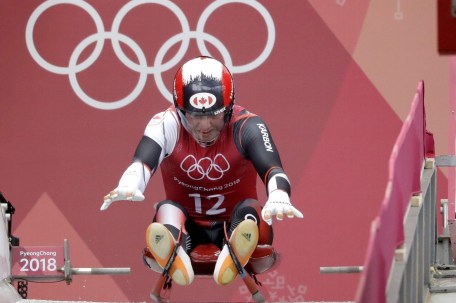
122, 193
131, 186
278, 204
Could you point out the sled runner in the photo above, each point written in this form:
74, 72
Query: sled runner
204, 258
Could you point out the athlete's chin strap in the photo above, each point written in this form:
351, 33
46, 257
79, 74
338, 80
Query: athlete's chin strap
131, 185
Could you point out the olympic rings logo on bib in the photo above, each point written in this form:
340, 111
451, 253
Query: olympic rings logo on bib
212, 169
141, 67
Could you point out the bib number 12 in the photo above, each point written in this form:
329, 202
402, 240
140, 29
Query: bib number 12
215, 200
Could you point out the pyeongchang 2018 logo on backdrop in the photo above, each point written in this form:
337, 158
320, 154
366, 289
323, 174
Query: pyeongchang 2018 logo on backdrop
159, 66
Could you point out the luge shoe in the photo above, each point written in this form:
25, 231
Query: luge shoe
243, 240
161, 244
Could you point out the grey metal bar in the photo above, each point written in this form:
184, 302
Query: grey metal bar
69, 271
444, 210
341, 269
100, 271
444, 240
445, 160
67, 262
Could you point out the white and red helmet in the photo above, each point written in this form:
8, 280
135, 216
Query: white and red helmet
204, 86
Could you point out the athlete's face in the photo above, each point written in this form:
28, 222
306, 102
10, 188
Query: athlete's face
205, 129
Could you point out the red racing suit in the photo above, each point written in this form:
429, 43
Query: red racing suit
208, 181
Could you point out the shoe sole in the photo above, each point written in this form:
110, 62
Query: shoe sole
161, 244
243, 242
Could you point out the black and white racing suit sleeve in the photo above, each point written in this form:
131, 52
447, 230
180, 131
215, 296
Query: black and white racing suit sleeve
254, 140
158, 141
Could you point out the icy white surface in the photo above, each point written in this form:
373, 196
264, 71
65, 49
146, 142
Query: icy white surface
44, 301
7, 293
38, 301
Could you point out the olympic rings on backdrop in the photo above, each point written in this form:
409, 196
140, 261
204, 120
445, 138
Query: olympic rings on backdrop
213, 169
141, 67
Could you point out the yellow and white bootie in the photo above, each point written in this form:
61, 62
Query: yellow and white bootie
161, 244
243, 240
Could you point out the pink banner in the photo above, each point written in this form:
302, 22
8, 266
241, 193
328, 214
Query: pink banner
387, 232
452, 137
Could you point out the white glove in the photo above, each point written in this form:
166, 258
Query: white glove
131, 185
279, 203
